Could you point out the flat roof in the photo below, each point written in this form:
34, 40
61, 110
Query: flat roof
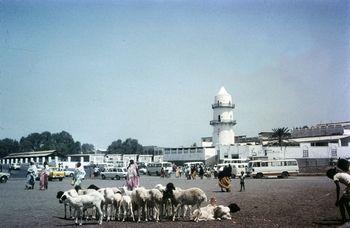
31, 154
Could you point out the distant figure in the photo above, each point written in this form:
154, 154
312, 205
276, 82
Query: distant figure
343, 202
96, 171
132, 177
193, 172
32, 173
162, 173
44, 176
177, 173
241, 178
224, 179
201, 172
79, 175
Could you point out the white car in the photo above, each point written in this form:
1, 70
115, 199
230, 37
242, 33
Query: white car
143, 171
15, 166
69, 172
115, 173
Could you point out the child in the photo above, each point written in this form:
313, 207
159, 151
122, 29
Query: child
343, 202
242, 177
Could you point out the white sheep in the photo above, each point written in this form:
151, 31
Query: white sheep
187, 197
126, 206
139, 199
81, 202
154, 202
108, 205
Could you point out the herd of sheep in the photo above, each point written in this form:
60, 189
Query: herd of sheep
148, 204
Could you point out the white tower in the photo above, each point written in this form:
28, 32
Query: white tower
223, 119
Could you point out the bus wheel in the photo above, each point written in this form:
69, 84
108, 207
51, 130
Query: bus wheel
284, 174
259, 175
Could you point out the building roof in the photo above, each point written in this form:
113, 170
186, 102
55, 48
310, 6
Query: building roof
31, 154
319, 139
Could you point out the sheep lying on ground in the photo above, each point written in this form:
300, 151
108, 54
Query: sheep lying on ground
187, 197
81, 202
212, 212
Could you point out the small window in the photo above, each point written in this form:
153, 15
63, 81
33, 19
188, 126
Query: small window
305, 153
264, 164
334, 152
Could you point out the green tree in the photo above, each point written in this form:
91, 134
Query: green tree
280, 134
129, 146
8, 146
87, 148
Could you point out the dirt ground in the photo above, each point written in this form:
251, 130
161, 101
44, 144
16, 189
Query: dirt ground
293, 202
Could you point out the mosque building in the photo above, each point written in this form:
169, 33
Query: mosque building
316, 145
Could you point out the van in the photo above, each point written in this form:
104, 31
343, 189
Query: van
277, 167
237, 168
156, 167
188, 165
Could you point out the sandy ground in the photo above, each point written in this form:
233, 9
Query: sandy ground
292, 202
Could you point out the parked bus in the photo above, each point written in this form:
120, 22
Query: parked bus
156, 167
277, 167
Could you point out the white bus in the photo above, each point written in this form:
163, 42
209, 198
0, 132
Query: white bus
156, 167
277, 167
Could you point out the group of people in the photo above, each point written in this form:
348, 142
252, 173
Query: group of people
32, 174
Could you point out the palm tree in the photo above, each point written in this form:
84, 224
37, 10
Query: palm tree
280, 134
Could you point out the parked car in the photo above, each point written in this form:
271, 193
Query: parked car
69, 172
56, 173
4, 177
114, 173
143, 170
15, 166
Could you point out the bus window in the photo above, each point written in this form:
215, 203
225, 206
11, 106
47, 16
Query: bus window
264, 164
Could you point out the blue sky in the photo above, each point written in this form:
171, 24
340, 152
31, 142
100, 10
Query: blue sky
104, 70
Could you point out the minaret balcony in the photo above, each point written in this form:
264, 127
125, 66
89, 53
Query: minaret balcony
228, 122
223, 105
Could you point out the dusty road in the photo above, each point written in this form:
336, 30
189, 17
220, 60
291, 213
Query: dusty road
293, 202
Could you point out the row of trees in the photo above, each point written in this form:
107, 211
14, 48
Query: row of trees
64, 144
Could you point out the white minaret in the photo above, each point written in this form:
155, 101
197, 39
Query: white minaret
223, 119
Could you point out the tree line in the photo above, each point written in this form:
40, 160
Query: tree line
64, 144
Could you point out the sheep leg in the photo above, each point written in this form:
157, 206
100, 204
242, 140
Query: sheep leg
176, 210
139, 210
65, 211
146, 212
132, 212
100, 214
